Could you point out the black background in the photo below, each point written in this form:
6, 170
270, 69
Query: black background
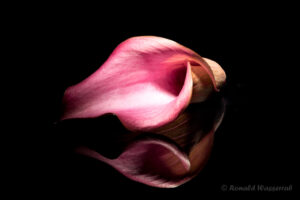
254, 143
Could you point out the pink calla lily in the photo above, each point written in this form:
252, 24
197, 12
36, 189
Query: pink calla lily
148, 82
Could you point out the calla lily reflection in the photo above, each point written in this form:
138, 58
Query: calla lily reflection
153, 88
166, 157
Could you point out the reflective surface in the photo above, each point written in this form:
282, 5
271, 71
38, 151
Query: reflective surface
252, 145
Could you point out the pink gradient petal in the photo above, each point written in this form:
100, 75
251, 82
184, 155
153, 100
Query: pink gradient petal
153, 162
146, 82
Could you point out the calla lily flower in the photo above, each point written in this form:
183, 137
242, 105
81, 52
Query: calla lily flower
148, 83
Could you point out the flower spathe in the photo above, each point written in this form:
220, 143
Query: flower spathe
147, 81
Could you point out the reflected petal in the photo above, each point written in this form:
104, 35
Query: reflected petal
151, 161
172, 155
